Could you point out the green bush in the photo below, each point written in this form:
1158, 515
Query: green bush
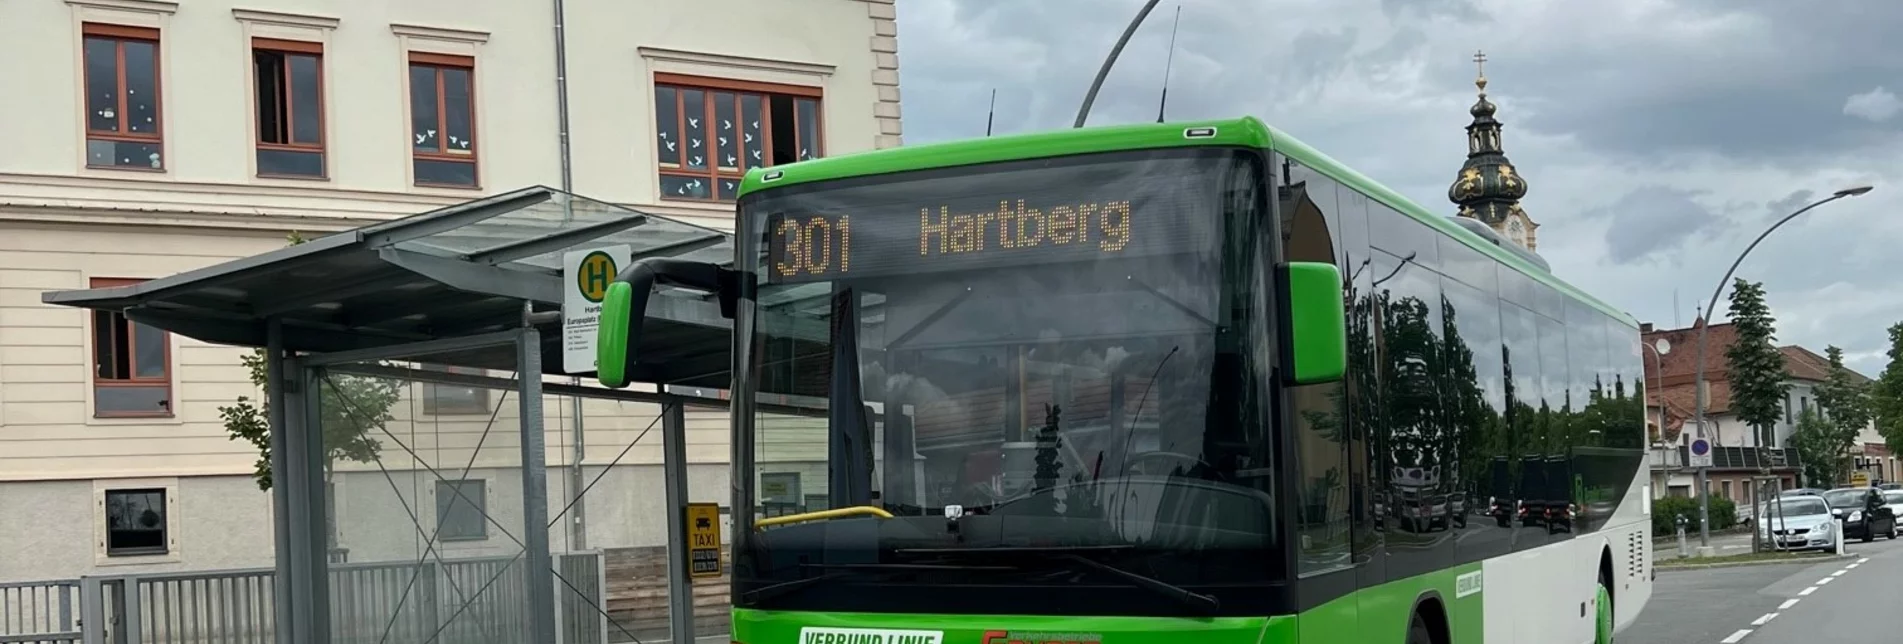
1724, 513
1665, 513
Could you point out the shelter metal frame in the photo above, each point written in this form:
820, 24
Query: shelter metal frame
476, 285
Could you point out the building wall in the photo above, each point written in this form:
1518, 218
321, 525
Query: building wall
217, 522
63, 223
1731, 432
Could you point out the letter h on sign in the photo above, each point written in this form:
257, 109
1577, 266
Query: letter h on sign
596, 271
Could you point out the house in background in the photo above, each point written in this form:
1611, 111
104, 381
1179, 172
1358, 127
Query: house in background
153, 137
1671, 406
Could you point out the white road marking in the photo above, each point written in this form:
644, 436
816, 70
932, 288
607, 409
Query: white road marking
1766, 619
1735, 637
1788, 603
1826, 580
1864, 560
1839, 573
1807, 591
1852, 566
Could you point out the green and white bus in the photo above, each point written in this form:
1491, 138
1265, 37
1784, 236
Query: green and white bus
1159, 383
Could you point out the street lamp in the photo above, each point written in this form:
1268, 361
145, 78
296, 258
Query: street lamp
1698, 381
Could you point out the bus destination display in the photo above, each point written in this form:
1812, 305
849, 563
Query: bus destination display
843, 239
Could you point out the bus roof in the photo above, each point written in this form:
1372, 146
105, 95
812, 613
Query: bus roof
1246, 132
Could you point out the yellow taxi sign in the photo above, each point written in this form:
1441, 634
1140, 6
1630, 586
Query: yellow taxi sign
703, 539
1859, 479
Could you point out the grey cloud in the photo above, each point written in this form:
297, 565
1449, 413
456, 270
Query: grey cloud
1875, 106
1788, 204
1319, 56
1652, 220
1457, 9
1758, 79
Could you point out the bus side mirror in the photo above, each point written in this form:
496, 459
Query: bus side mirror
624, 308
1317, 330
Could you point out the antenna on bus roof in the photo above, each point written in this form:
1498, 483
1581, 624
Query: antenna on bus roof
1090, 97
1169, 62
992, 111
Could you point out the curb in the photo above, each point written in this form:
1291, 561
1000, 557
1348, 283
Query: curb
1664, 568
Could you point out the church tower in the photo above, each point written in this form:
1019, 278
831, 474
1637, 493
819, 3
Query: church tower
1488, 188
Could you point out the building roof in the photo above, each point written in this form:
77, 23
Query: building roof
1672, 375
463, 270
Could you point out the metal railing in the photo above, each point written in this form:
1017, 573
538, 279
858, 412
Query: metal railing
456, 601
1664, 458
39, 612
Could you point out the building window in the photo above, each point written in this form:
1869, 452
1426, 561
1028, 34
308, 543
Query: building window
122, 97
709, 132
132, 365
443, 119
462, 517
289, 82
447, 400
135, 522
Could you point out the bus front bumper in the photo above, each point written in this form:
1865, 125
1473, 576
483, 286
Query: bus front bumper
786, 627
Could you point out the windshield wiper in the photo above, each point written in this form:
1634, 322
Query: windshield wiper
878, 570
1043, 555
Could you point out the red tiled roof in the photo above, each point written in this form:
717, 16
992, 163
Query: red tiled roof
1671, 376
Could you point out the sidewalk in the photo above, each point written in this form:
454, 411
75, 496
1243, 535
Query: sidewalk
1724, 544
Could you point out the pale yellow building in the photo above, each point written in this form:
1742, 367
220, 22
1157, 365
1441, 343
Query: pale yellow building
143, 138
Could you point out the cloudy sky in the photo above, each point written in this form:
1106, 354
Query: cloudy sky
1658, 136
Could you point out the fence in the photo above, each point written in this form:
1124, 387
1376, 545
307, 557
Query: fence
40, 612
473, 601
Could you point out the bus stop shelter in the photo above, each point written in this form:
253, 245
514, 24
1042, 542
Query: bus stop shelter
476, 285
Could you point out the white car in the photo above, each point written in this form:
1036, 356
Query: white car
1800, 523
1894, 499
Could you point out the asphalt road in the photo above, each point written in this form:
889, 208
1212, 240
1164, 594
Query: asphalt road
1839, 600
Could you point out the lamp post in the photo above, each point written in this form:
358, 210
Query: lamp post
1698, 386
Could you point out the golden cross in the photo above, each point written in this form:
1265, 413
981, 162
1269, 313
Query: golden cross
1480, 61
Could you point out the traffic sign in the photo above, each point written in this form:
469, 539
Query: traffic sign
1859, 478
703, 539
1700, 451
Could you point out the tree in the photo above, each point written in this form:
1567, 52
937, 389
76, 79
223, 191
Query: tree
1845, 400
1757, 375
1886, 394
1816, 440
352, 408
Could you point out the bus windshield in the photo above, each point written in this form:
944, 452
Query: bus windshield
1050, 374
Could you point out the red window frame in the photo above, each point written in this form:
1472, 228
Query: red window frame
119, 34
288, 96
132, 378
713, 172
439, 62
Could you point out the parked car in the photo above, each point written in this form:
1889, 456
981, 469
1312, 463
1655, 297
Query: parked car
1801, 523
1803, 491
1847, 505
1894, 499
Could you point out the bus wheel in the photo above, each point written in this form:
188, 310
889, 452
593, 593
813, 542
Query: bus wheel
1417, 632
1602, 618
